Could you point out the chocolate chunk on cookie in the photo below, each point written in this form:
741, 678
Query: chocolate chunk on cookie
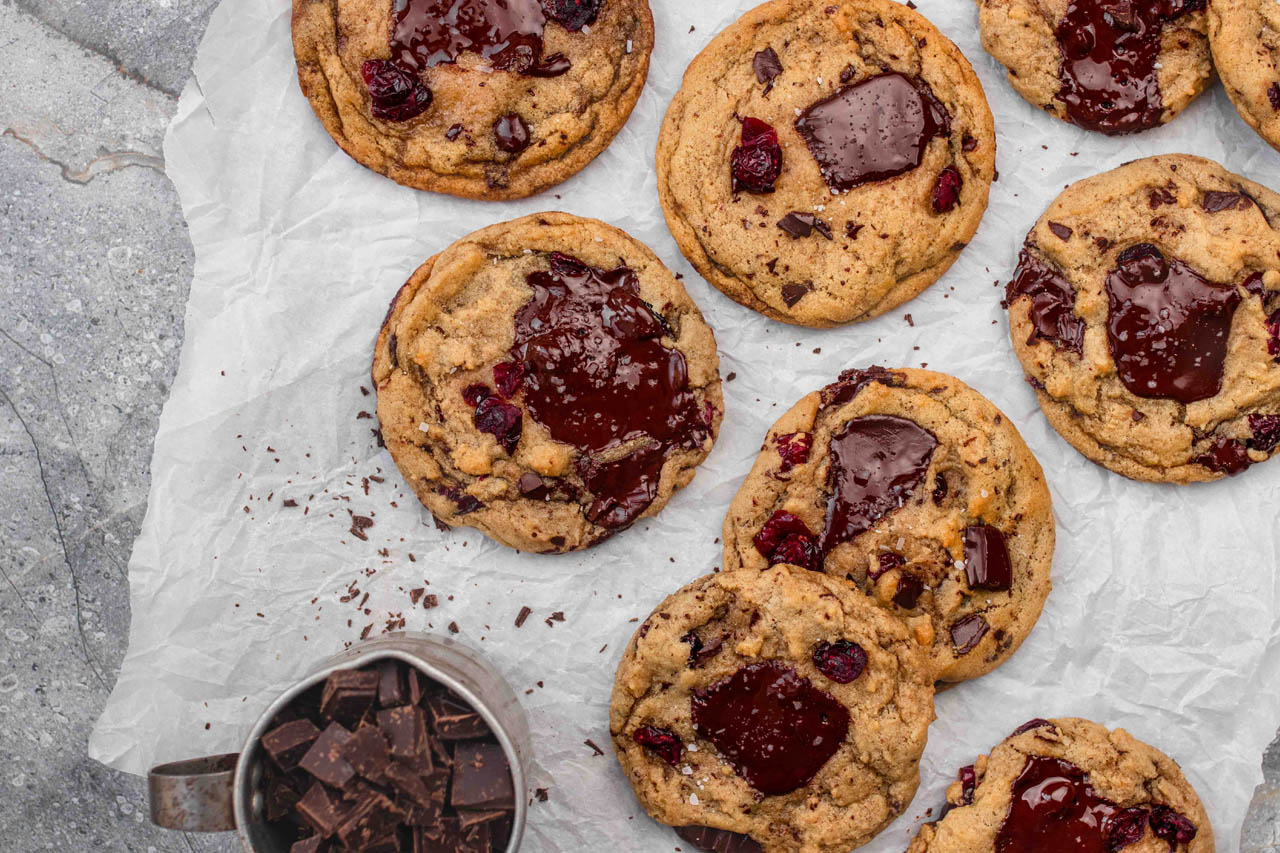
823, 163
1150, 330
916, 489
547, 381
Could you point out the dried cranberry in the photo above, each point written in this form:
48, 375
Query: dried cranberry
841, 661
798, 549
1125, 828
1266, 432
1171, 826
501, 420
572, 14
1227, 456
757, 162
395, 92
794, 449
939, 489
507, 376
473, 394
946, 192
968, 783
663, 743
1273, 333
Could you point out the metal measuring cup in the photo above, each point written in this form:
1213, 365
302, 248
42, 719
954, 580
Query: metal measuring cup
223, 793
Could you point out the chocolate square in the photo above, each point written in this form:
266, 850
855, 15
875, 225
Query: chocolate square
367, 752
372, 817
286, 744
481, 778
453, 719
322, 810
391, 684
405, 729
348, 695
324, 760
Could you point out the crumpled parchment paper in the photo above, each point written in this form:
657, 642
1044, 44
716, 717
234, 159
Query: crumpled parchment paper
1165, 614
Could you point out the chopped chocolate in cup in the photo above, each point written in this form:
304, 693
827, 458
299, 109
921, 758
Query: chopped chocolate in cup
403, 780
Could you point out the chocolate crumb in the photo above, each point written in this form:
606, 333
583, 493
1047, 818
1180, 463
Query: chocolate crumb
523, 615
589, 742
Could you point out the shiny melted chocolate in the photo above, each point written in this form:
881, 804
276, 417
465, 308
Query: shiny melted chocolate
986, 558
598, 375
771, 724
508, 33
1110, 61
877, 462
872, 130
1168, 326
1054, 809
1053, 302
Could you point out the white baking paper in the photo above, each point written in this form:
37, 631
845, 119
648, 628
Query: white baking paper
1164, 614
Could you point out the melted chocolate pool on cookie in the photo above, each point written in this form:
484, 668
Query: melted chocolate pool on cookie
1054, 809
872, 130
1168, 326
877, 461
772, 725
508, 33
598, 376
1110, 52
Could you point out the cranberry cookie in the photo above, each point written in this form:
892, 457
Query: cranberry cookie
1114, 66
1070, 785
778, 705
490, 99
1145, 310
548, 381
914, 487
1244, 36
824, 163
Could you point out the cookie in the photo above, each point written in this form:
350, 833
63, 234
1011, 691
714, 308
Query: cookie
777, 705
912, 486
1112, 66
1070, 785
1145, 310
547, 381
823, 163
518, 97
1244, 36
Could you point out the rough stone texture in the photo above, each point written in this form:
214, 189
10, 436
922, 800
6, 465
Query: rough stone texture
94, 270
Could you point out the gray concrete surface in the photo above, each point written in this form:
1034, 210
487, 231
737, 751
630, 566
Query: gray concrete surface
95, 265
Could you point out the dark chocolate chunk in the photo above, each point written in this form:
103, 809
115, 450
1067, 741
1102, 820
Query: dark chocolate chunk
771, 724
453, 719
800, 224
1168, 325
287, 744
875, 129
405, 729
853, 380
767, 66
391, 684
444, 838
793, 293
877, 462
511, 134
481, 777
367, 752
348, 695
986, 558
321, 810
324, 760
1216, 202
1228, 456
1053, 303
718, 840
371, 818
1062, 232
968, 632
907, 595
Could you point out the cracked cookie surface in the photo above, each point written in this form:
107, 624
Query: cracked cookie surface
1112, 67
500, 396
802, 628
1102, 789
916, 489
1170, 379
1244, 36
845, 230
498, 122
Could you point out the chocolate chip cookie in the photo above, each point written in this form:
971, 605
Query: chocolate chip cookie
1113, 66
912, 486
548, 381
823, 163
489, 99
1244, 36
1145, 310
1070, 785
779, 705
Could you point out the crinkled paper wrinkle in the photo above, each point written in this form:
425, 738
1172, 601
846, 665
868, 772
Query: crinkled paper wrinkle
1164, 615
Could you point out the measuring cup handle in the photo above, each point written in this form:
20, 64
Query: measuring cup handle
194, 795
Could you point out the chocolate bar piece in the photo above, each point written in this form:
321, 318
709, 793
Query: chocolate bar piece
372, 818
324, 760
288, 743
367, 753
348, 695
452, 719
481, 777
405, 729
391, 684
321, 810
